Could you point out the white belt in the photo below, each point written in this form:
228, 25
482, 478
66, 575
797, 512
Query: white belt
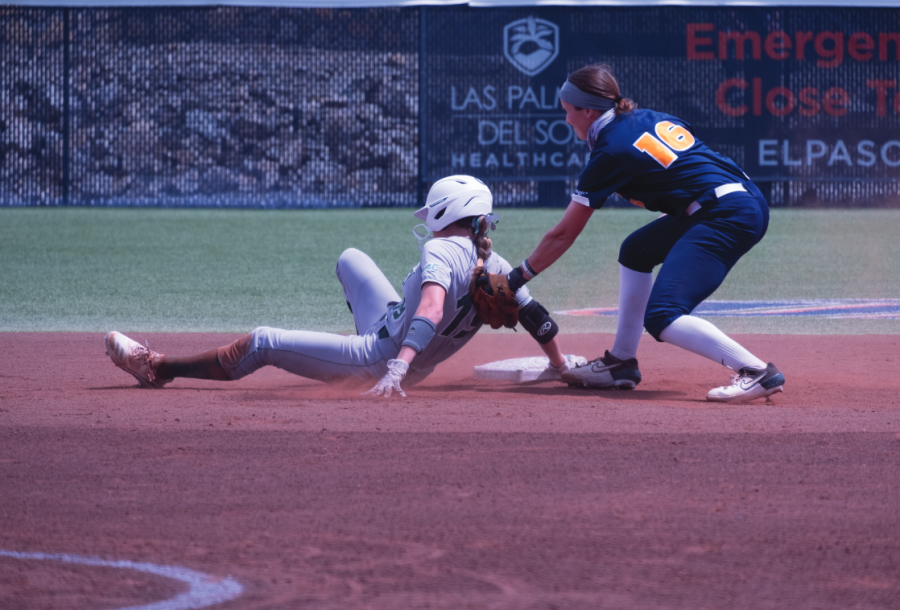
721, 191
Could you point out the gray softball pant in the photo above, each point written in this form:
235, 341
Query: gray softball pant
326, 356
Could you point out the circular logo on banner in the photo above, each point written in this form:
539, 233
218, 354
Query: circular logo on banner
531, 44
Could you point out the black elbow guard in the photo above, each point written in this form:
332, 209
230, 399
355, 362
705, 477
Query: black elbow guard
537, 321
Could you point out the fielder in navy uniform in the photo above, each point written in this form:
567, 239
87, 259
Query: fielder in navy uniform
713, 215
397, 337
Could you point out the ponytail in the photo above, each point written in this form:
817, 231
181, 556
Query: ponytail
480, 238
598, 80
625, 105
478, 232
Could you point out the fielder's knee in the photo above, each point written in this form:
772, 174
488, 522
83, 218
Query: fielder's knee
657, 322
633, 254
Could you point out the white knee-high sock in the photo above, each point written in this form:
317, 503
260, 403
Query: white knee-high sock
701, 337
634, 291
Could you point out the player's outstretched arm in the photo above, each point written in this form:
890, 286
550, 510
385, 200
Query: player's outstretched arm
553, 245
428, 315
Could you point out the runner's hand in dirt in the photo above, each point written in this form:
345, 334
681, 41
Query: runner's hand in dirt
391, 380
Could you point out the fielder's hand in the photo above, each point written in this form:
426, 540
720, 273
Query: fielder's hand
391, 380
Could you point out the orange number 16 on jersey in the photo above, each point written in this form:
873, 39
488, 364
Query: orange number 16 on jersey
676, 138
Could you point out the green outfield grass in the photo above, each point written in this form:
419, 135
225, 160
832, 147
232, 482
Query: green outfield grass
155, 270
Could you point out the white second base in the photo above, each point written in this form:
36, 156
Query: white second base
533, 368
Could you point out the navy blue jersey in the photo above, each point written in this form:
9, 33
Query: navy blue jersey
655, 161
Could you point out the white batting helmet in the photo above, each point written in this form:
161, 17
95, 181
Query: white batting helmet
453, 198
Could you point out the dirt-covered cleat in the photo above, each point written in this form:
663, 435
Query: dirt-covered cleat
135, 359
749, 384
605, 372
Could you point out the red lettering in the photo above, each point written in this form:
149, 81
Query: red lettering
802, 39
757, 96
721, 95
789, 101
883, 40
781, 101
860, 46
693, 41
881, 87
809, 104
835, 101
740, 39
835, 55
777, 45
829, 48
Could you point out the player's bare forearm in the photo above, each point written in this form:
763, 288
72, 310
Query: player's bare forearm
552, 246
431, 307
560, 238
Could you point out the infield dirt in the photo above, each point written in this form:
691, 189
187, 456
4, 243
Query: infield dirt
467, 494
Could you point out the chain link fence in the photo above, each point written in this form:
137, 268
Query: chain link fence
274, 107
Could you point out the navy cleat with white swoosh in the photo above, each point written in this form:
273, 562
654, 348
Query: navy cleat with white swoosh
749, 384
606, 372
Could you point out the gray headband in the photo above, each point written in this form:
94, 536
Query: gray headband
575, 96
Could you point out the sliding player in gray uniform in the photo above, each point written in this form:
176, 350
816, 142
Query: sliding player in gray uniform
399, 338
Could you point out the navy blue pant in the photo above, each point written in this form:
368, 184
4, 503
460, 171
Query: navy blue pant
696, 253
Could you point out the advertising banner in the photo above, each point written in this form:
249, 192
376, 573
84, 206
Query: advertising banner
294, 107
789, 94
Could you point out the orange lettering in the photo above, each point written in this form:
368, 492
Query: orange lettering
656, 149
677, 137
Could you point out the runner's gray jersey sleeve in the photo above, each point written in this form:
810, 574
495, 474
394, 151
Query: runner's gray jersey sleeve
448, 262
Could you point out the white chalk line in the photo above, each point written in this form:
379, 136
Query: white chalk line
205, 590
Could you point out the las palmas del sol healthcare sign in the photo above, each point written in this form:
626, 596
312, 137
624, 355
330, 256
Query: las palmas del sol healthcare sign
786, 92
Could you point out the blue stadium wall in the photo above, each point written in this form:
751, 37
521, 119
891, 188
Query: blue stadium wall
275, 107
